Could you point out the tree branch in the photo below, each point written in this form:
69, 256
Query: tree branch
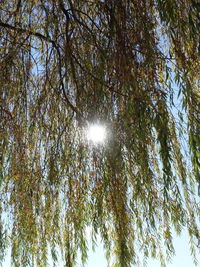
47, 39
28, 32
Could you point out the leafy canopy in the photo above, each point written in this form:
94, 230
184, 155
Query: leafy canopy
130, 65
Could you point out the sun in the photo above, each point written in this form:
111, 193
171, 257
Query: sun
96, 133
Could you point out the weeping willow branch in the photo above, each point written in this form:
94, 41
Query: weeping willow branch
132, 66
47, 39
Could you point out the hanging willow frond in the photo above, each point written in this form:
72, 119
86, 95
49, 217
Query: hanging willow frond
130, 65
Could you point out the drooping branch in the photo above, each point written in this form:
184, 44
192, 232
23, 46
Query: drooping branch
105, 61
28, 32
47, 39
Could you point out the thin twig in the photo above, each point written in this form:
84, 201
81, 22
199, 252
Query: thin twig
47, 39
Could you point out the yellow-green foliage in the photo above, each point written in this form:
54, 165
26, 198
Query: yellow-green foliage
132, 65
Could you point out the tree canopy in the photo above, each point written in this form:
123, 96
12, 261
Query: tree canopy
132, 66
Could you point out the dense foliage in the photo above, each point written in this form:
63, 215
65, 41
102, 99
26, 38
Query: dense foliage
132, 66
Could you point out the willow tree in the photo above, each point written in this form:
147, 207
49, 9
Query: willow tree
129, 65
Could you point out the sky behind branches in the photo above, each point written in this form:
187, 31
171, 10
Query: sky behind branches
182, 258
